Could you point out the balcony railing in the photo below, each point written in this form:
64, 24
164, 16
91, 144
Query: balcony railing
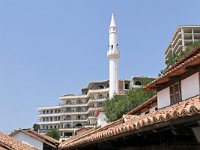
73, 103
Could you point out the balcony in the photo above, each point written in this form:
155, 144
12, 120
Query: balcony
49, 115
73, 112
73, 97
90, 126
74, 105
91, 91
98, 99
94, 108
113, 54
48, 122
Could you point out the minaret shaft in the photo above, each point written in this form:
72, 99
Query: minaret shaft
113, 77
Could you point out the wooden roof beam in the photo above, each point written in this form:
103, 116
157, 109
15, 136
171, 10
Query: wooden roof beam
192, 67
174, 77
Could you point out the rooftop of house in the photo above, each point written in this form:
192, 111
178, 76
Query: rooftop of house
7, 142
43, 138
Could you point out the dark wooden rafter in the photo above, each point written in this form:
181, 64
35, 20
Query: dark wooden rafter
192, 67
160, 85
176, 77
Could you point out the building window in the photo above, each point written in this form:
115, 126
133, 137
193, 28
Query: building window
67, 125
99, 104
100, 87
68, 110
175, 93
78, 125
78, 117
68, 118
100, 96
126, 86
68, 102
138, 83
79, 109
79, 102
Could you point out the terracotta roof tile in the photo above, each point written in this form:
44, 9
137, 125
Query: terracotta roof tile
131, 122
10, 143
43, 138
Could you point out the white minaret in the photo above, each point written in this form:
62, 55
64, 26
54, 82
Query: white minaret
113, 56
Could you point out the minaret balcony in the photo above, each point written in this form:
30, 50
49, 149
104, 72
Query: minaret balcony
113, 54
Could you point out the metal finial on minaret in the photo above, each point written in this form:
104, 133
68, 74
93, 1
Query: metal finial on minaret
113, 56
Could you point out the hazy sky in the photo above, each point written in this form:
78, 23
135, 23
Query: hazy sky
49, 48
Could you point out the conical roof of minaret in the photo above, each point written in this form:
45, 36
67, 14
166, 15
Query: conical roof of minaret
112, 22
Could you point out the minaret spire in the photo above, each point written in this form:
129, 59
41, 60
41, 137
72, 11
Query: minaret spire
112, 22
113, 56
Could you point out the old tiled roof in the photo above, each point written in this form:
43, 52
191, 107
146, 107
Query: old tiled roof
1, 148
176, 70
130, 123
43, 138
7, 142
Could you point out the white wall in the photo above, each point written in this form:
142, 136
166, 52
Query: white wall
190, 86
163, 98
102, 119
93, 121
20, 136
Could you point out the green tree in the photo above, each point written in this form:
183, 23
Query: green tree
121, 104
54, 134
36, 127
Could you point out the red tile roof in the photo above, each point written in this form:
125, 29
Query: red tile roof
130, 123
43, 138
7, 142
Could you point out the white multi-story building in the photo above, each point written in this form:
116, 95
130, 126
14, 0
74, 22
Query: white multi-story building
75, 111
183, 37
